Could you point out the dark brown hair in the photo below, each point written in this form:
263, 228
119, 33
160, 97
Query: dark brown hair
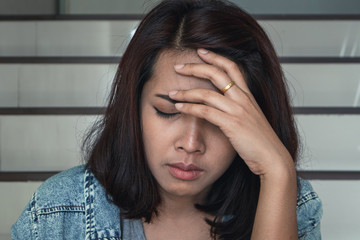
115, 147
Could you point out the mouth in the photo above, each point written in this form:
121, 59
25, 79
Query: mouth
185, 172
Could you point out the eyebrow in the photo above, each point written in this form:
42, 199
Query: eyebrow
166, 97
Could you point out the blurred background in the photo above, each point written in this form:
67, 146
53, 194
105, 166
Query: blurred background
58, 58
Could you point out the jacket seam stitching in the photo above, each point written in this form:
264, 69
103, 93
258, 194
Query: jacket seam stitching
46, 211
89, 210
34, 216
306, 198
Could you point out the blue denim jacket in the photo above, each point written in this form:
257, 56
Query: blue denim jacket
73, 205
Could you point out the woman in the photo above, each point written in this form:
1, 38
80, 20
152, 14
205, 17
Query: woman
197, 142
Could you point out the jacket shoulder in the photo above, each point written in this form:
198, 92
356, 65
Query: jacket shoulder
63, 189
309, 211
46, 215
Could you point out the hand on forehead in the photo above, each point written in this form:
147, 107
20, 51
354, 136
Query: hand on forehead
167, 79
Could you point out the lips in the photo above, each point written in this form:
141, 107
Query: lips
185, 172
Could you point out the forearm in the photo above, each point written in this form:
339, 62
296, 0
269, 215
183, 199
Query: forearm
276, 211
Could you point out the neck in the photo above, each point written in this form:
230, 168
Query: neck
172, 205
178, 219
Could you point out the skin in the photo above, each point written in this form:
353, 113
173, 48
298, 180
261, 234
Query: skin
180, 138
219, 124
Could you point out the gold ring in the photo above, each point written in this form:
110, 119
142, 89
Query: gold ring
227, 87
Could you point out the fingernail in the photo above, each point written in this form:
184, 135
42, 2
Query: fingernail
203, 51
179, 66
171, 93
179, 105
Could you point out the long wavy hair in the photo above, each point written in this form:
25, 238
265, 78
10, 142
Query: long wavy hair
114, 146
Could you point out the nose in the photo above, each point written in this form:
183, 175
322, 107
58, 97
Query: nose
191, 138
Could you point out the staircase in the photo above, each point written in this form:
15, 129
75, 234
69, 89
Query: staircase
56, 71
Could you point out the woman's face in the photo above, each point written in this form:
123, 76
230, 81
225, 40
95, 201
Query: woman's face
185, 154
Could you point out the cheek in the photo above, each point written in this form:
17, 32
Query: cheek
149, 133
155, 138
220, 140
223, 150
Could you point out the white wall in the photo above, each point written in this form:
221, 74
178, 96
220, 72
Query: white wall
331, 142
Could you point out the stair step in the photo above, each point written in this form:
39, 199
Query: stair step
104, 38
116, 60
101, 110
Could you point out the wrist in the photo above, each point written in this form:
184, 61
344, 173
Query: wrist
283, 171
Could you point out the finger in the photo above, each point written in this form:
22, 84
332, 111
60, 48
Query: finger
212, 115
218, 77
228, 66
231, 68
205, 96
202, 70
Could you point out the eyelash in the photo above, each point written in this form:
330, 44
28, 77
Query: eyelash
165, 115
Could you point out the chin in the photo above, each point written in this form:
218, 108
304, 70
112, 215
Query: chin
186, 189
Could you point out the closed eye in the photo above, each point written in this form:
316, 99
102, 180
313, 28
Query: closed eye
164, 114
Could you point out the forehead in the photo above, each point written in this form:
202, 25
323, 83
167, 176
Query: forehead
165, 78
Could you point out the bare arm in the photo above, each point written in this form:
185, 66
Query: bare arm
276, 211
